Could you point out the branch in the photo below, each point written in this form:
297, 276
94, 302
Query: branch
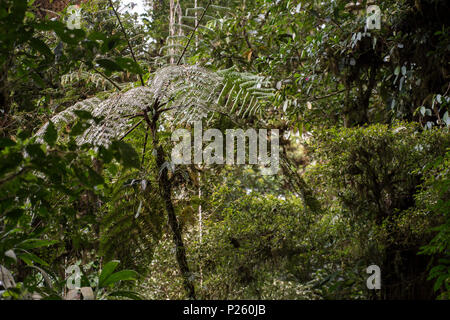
126, 38
107, 78
193, 32
328, 95
131, 130
171, 108
18, 173
145, 146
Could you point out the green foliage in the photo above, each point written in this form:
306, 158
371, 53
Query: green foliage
377, 169
434, 198
356, 187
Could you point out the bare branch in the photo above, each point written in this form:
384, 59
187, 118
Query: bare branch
126, 38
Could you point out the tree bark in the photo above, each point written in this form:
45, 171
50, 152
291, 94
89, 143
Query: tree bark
165, 187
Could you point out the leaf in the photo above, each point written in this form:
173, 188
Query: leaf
423, 110
125, 154
41, 47
120, 276
71, 36
79, 128
439, 282
107, 270
34, 150
48, 25
10, 162
44, 275
105, 154
51, 134
130, 65
109, 65
30, 258
37, 78
83, 114
110, 43
95, 179
403, 70
96, 35
446, 119
35, 243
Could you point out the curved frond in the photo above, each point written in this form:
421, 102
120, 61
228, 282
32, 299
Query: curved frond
188, 93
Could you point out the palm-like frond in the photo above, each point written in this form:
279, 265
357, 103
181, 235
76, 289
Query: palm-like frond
188, 93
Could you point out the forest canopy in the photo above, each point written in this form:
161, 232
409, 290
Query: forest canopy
351, 101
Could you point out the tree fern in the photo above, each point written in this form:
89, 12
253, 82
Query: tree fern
189, 93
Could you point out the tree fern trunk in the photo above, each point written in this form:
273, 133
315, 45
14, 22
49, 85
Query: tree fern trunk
165, 187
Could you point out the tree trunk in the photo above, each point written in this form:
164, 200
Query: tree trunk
165, 187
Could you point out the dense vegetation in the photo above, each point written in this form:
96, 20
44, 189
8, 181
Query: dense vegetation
86, 178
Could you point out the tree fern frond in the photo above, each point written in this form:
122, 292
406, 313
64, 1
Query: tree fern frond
190, 93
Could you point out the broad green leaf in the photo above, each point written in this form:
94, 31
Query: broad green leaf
41, 47
70, 36
30, 258
107, 270
79, 127
111, 43
35, 243
109, 65
130, 65
83, 114
125, 154
51, 134
120, 276
34, 151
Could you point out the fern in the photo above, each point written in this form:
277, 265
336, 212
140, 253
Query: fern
87, 77
190, 93
132, 224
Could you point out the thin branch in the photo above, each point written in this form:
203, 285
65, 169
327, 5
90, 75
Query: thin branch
328, 95
107, 78
132, 116
126, 38
249, 45
131, 130
12, 176
171, 108
193, 32
145, 146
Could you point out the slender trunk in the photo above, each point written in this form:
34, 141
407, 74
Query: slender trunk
165, 187
196, 22
171, 30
